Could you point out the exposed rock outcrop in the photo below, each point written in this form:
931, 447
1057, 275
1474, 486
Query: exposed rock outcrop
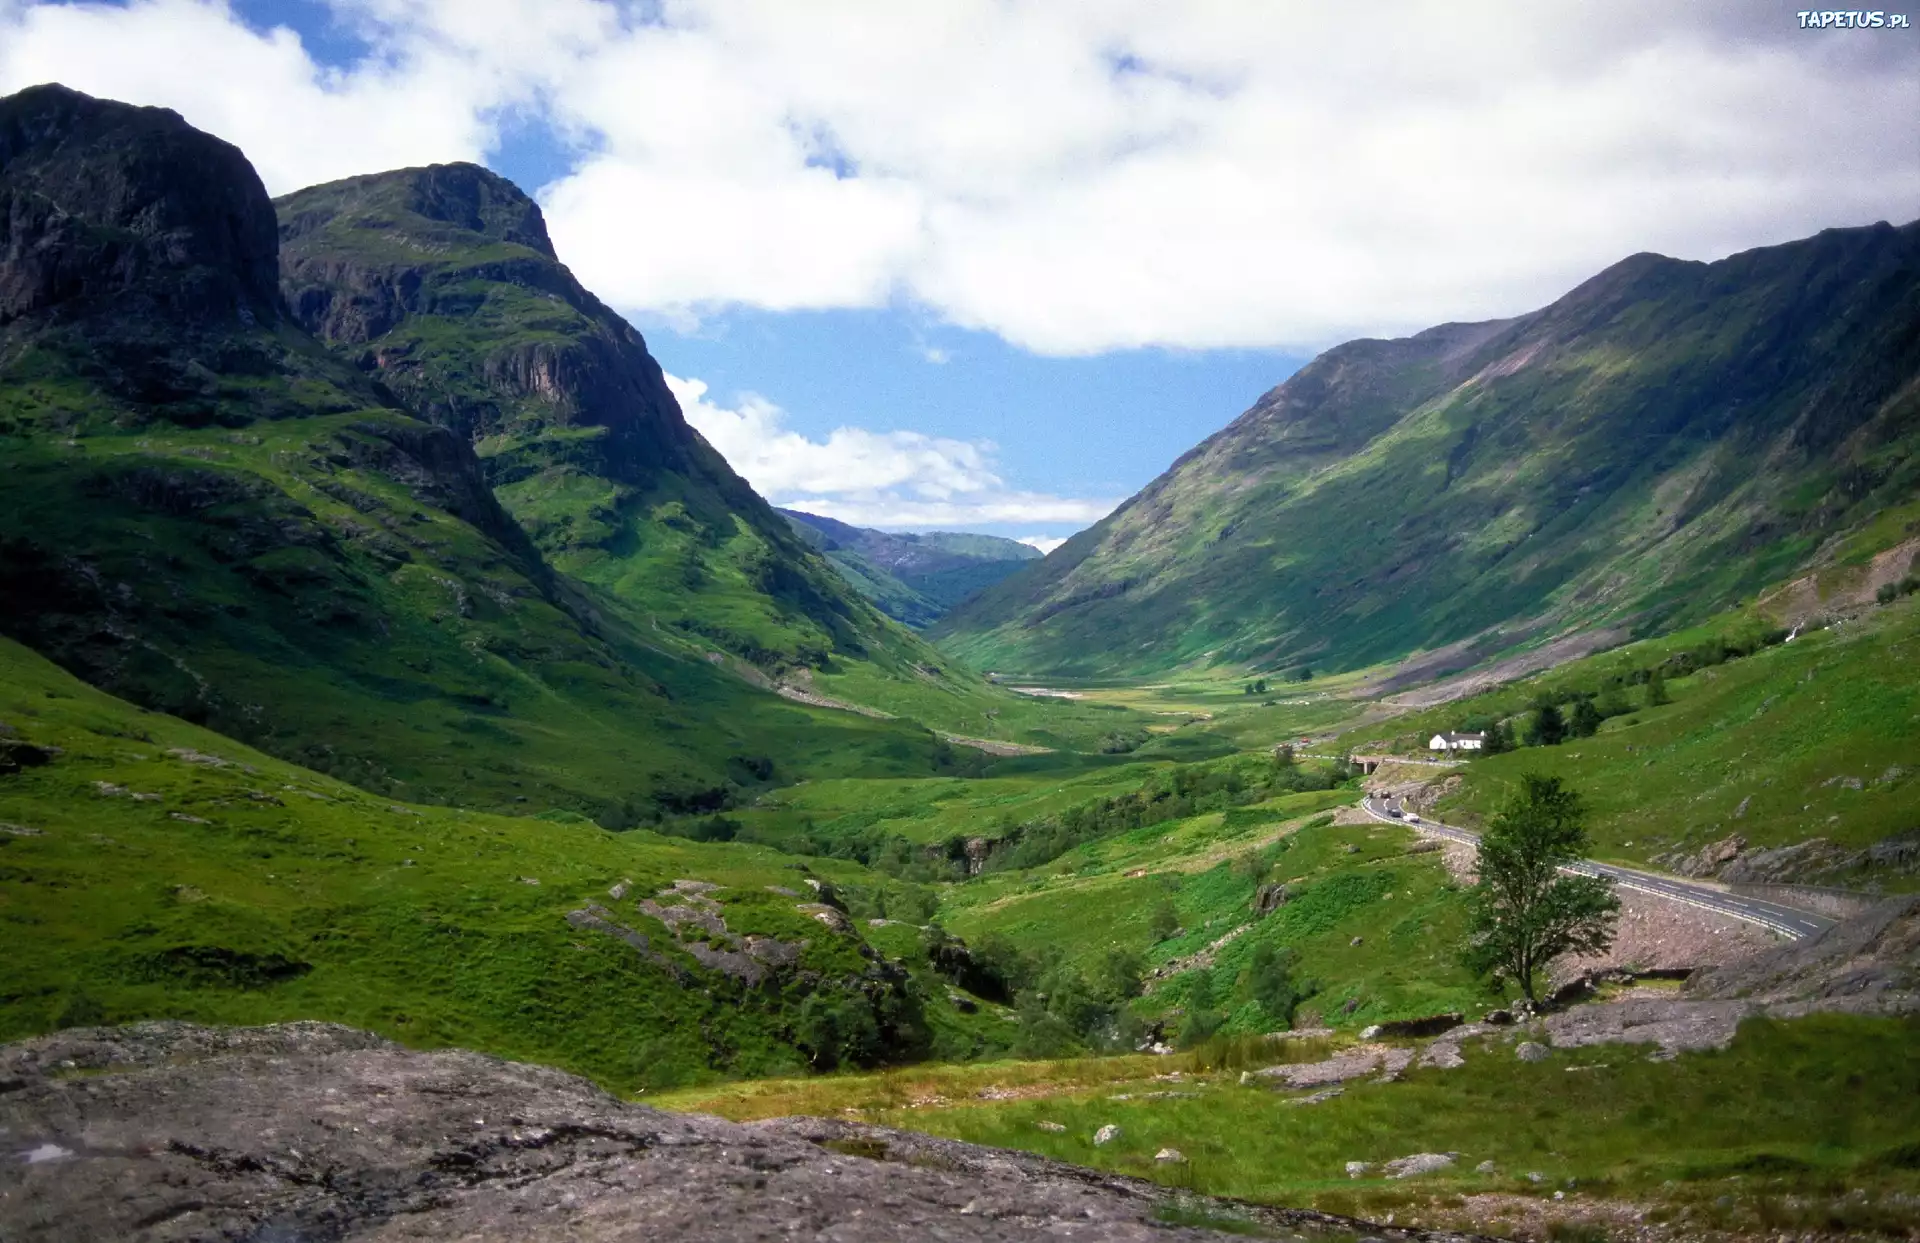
1876, 955
165, 1131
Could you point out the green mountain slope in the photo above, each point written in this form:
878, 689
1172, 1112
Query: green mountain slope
159, 870
1664, 440
442, 282
913, 578
208, 513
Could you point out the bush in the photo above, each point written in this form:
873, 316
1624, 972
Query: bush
1201, 1020
1657, 689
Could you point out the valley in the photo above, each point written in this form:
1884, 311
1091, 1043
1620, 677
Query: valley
396, 687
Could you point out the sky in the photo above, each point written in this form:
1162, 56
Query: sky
994, 264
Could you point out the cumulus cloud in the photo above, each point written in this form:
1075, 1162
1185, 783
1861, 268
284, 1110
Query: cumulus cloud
300, 123
1076, 176
896, 479
1045, 543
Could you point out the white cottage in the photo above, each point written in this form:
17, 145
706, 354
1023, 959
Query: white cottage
1451, 742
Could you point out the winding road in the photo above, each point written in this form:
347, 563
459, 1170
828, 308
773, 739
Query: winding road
1785, 920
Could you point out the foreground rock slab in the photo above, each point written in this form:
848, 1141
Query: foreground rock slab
309, 1131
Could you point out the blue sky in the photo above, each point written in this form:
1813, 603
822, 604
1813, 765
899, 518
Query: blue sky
993, 266
1095, 427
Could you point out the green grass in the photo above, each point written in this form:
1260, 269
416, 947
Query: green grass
1807, 1111
236, 888
1404, 909
931, 811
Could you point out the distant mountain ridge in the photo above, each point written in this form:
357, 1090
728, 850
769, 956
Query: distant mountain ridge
1661, 442
914, 578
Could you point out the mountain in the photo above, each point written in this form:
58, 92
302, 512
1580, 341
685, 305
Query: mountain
442, 282
914, 579
1663, 441
210, 513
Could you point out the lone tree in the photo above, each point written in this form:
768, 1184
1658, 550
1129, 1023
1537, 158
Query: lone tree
1525, 912
1549, 727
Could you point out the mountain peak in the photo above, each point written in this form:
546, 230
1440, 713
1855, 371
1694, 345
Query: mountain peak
129, 209
469, 198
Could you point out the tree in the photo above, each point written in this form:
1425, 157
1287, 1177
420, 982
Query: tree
1300, 673
1499, 739
1525, 912
1549, 729
1165, 921
1585, 721
1657, 689
838, 1031
1270, 982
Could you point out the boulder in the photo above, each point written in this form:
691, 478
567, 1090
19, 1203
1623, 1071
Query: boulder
1269, 898
1106, 1135
1528, 1051
1417, 1164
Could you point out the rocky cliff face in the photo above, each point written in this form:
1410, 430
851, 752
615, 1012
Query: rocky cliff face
165, 1131
1666, 438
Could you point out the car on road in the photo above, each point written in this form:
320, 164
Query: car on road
1412, 819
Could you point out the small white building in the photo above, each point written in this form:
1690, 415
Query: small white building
1451, 742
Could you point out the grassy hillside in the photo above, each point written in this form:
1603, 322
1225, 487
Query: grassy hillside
1794, 742
159, 870
1345, 883
1666, 439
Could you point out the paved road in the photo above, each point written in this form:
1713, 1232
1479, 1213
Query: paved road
1785, 920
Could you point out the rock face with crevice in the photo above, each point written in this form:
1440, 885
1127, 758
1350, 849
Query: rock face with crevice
310, 1131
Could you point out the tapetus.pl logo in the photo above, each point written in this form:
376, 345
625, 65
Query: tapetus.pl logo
1852, 19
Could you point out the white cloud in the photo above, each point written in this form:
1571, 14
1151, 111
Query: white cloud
1081, 175
893, 479
1045, 543
298, 122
